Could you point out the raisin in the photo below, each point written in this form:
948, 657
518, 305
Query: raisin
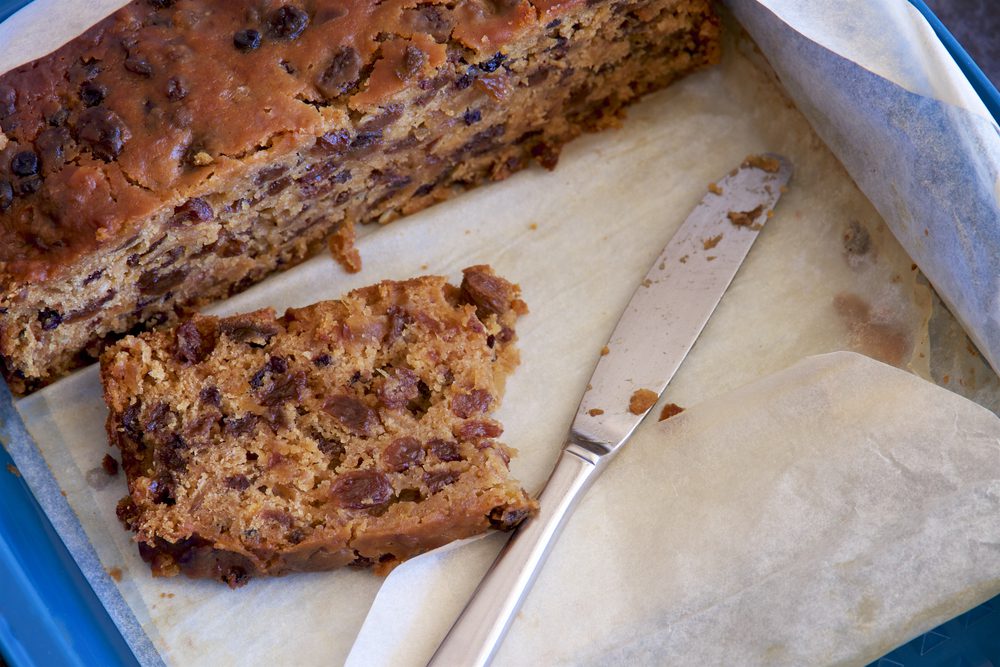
139, 65
127, 512
274, 365
475, 402
162, 490
491, 340
176, 90
490, 293
341, 74
158, 419
211, 395
402, 454
156, 283
29, 185
555, 23
238, 483
444, 450
92, 277
287, 22
90, 308
335, 142
493, 63
246, 40
463, 82
322, 361
284, 389
483, 142
476, 429
353, 415
423, 190
110, 465
329, 446
193, 345
235, 577
6, 195
162, 4
505, 518
59, 117
361, 489
49, 318
413, 61
439, 479
25, 163
193, 210
244, 425
130, 421
398, 389
472, 116
104, 132
367, 139
247, 330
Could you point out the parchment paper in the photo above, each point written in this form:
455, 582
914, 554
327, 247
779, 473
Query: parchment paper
578, 240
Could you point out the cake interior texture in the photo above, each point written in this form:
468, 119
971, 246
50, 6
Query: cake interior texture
350, 432
162, 161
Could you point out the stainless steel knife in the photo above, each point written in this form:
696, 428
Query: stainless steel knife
658, 328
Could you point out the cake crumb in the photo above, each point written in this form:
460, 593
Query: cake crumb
642, 400
768, 164
746, 218
12, 469
669, 410
710, 258
595, 412
711, 242
533, 226
110, 465
715, 189
684, 259
342, 248
605, 351
201, 159
115, 573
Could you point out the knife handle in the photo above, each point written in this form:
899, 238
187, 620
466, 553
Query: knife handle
476, 635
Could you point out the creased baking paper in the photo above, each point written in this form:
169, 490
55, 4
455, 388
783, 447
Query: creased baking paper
826, 275
840, 507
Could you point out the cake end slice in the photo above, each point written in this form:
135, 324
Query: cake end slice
349, 432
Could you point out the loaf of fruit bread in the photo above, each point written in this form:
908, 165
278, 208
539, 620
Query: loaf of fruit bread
181, 150
350, 432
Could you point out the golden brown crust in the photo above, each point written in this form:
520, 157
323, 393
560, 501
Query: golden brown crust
351, 431
167, 158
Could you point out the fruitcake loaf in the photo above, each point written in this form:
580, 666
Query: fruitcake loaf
180, 150
350, 432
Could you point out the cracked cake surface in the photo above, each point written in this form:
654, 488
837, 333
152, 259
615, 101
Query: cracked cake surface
181, 150
349, 432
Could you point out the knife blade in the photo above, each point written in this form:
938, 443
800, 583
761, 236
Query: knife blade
658, 328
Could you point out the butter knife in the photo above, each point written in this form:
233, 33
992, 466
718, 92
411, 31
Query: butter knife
659, 326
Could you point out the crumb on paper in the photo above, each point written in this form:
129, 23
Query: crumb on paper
423, 267
604, 352
110, 465
12, 469
857, 240
710, 258
342, 248
166, 595
746, 218
684, 259
715, 189
595, 412
115, 573
533, 226
642, 400
768, 164
710, 243
670, 410
646, 282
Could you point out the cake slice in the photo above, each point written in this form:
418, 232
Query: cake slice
181, 150
349, 432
